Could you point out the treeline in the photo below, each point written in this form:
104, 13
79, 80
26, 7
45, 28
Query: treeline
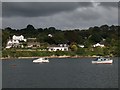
87, 37
92, 35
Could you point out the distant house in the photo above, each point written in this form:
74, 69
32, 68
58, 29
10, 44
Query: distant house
60, 47
9, 44
98, 45
15, 41
31, 39
19, 38
57, 48
82, 46
33, 44
50, 35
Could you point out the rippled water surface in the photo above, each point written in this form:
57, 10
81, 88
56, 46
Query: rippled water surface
59, 73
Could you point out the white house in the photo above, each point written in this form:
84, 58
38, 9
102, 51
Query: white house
9, 44
50, 35
61, 47
20, 38
82, 46
15, 41
57, 48
12, 43
98, 44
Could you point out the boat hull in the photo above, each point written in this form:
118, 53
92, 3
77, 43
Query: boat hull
103, 62
40, 60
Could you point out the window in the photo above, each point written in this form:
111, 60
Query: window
65, 49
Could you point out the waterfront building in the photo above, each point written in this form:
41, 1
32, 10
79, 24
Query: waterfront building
98, 45
60, 47
19, 38
82, 46
16, 41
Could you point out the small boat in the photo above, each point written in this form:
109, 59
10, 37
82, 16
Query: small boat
41, 60
102, 60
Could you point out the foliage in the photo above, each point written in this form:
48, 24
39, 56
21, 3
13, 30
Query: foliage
73, 46
80, 51
88, 37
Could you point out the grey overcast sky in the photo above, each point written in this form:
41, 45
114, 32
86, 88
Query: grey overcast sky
61, 15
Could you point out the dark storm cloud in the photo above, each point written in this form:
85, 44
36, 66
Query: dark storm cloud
62, 15
34, 9
109, 4
85, 4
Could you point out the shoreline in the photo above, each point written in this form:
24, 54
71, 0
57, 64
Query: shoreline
49, 57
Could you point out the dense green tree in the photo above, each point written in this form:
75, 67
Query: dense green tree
73, 46
5, 37
109, 34
30, 27
95, 38
80, 51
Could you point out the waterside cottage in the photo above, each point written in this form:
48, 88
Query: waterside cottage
16, 41
98, 45
60, 47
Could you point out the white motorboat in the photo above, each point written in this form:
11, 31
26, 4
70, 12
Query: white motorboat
102, 60
41, 60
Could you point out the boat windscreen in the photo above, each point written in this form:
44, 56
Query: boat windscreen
96, 59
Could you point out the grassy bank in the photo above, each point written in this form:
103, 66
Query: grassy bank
13, 53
